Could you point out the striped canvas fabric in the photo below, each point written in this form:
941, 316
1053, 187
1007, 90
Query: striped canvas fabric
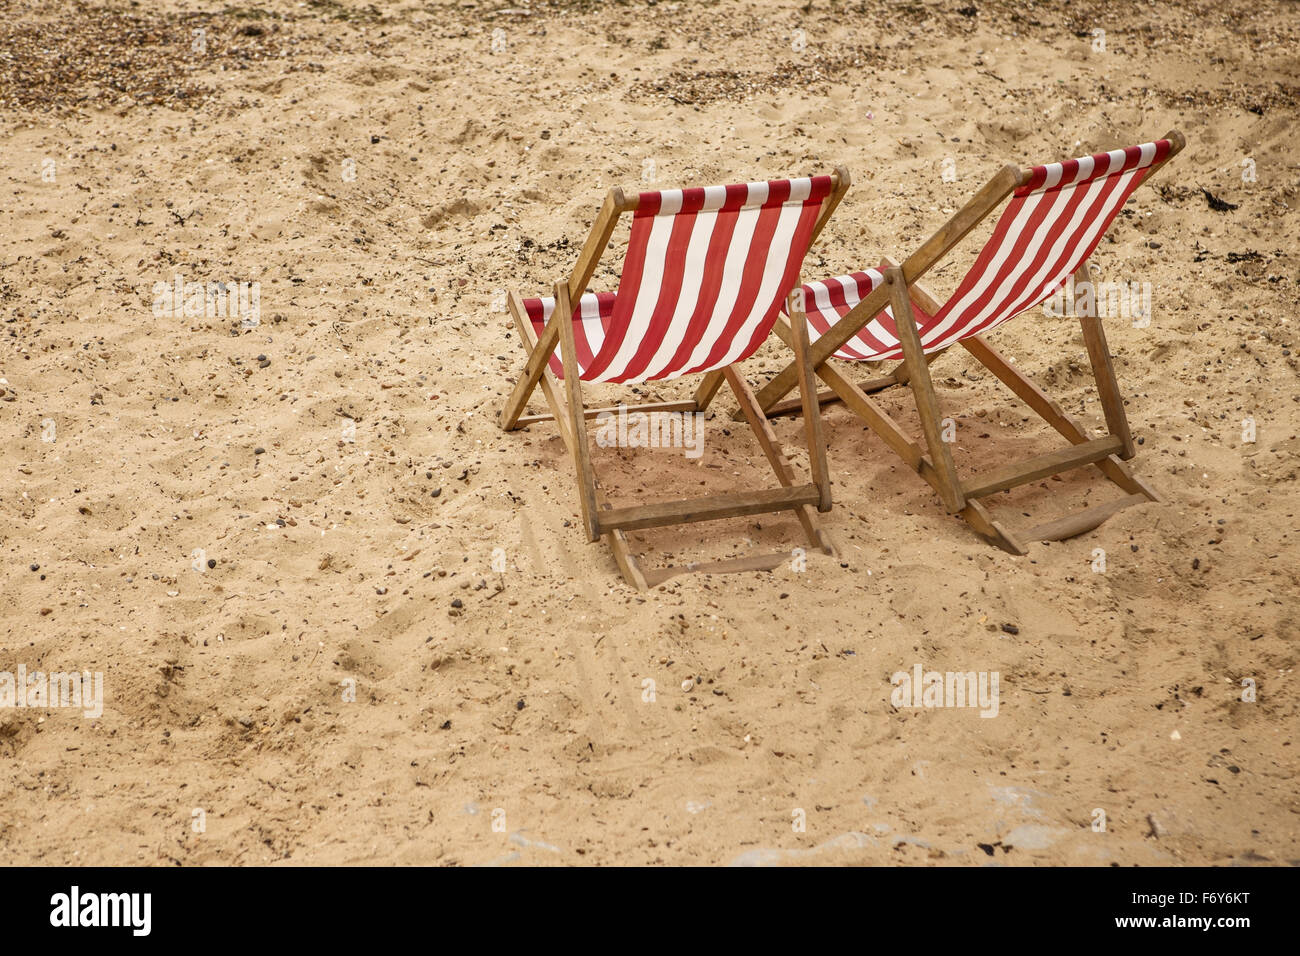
704, 277
826, 302
1050, 226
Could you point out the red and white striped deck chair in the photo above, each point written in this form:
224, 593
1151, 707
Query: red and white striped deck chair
704, 277
1055, 218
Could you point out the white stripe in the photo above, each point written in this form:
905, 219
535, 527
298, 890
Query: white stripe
1027, 209
851, 299
591, 324
756, 194
822, 299
670, 202
714, 197
588, 314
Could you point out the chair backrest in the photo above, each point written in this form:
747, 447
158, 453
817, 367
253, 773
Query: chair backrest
1049, 228
704, 276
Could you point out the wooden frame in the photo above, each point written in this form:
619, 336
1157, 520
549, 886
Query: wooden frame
934, 463
599, 517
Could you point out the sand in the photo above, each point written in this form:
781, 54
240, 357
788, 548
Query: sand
357, 680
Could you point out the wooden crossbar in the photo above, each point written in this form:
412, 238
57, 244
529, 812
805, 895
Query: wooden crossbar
1041, 466
649, 407
729, 505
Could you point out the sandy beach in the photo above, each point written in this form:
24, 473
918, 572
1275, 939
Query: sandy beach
341, 617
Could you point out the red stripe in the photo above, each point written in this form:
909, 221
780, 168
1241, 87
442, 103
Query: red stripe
617, 310
581, 341
1048, 206
1048, 220
838, 296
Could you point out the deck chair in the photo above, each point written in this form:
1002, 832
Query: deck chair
1055, 218
705, 275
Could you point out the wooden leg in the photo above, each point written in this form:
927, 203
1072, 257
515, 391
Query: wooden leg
551, 390
927, 403
978, 517
623, 556
1103, 370
812, 413
1109, 465
534, 367
589, 413
573, 390
707, 389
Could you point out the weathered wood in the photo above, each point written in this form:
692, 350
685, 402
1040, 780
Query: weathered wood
623, 556
840, 182
711, 508
771, 446
988, 198
875, 417
550, 388
927, 402
1081, 521
812, 415
707, 389
534, 368
767, 439
590, 413
978, 517
618, 542
573, 390
825, 346
755, 562
1103, 371
1040, 466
